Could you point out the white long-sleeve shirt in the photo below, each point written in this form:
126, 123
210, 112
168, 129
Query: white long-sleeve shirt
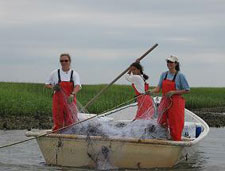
138, 82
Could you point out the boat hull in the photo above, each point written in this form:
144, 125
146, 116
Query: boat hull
116, 152
95, 152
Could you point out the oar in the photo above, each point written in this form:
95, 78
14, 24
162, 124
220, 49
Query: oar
105, 88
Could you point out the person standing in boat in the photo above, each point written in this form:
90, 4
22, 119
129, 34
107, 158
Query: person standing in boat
173, 84
138, 79
65, 83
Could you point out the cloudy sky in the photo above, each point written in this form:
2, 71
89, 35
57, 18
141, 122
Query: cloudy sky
105, 36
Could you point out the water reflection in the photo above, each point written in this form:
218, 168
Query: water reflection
209, 154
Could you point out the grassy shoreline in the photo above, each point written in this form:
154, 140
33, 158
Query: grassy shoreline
32, 100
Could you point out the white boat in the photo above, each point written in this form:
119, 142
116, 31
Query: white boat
108, 153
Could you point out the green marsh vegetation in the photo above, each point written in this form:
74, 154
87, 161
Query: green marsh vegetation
29, 99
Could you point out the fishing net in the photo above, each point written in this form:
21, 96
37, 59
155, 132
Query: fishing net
163, 106
100, 140
70, 110
146, 107
119, 124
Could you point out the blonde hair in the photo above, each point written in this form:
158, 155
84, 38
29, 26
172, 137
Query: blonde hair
66, 54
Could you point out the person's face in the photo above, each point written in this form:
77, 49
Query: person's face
170, 64
135, 71
64, 60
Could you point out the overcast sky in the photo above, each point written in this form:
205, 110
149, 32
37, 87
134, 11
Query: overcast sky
105, 36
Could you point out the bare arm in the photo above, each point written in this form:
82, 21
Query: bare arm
180, 92
76, 89
156, 90
48, 86
129, 71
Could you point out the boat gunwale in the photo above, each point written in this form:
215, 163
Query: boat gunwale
186, 142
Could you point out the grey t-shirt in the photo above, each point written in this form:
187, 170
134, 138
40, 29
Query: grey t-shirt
180, 81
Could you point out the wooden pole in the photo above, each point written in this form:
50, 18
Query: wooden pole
105, 88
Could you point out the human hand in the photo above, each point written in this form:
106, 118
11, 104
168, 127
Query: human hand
138, 60
70, 99
133, 120
170, 94
56, 87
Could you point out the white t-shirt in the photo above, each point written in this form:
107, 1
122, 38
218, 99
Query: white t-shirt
138, 82
65, 76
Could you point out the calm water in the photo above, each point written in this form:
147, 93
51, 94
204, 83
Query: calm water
209, 155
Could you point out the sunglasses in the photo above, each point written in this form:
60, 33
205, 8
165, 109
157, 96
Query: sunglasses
169, 62
64, 60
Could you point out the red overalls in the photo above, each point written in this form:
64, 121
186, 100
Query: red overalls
64, 114
145, 108
174, 116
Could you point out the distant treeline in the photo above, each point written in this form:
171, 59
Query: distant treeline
29, 99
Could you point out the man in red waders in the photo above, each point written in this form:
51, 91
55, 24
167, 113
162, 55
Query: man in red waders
66, 83
173, 84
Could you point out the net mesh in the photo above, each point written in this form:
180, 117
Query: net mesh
71, 109
110, 126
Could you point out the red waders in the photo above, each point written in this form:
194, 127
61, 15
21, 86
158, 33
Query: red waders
174, 116
63, 113
145, 110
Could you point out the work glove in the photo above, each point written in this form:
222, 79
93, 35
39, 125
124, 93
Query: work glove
170, 94
70, 99
56, 87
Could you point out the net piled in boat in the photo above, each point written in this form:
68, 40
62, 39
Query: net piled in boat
111, 128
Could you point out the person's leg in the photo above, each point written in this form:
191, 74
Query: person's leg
162, 112
176, 118
57, 111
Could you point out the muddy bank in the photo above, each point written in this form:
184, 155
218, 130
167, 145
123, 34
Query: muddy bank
213, 117
213, 110
25, 122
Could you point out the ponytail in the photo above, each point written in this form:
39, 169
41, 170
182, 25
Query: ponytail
177, 67
145, 76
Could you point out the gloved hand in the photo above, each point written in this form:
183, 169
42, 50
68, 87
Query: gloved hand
70, 99
56, 87
170, 94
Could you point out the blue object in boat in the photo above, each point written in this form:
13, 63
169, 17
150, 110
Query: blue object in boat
198, 130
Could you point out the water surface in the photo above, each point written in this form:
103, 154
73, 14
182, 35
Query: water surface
209, 155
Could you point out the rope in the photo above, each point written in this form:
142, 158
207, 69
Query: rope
15, 143
101, 115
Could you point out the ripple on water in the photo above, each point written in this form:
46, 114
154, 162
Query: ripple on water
209, 154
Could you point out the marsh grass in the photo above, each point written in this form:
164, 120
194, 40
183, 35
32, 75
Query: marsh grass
205, 98
31, 99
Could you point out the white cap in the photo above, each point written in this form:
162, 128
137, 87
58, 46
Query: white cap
172, 58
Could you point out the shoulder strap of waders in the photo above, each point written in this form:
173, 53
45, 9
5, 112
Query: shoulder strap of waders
59, 78
175, 76
166, 75
71, 77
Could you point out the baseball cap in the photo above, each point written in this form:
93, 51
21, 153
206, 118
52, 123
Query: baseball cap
172, 58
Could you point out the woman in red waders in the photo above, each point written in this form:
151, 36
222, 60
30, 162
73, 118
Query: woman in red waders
138, 79
173, 84
66, 83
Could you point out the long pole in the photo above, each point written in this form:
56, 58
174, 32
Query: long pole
105, 88
89, 103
